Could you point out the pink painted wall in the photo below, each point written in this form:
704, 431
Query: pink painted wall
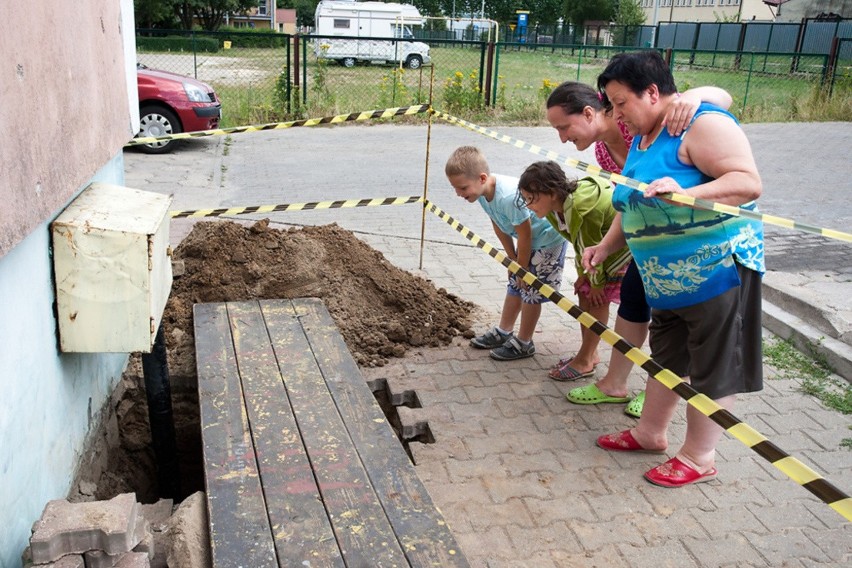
63, 105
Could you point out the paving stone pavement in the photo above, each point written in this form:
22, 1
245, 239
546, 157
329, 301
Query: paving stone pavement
514, 467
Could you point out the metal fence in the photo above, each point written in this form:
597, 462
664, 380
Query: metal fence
813, 37
264, 78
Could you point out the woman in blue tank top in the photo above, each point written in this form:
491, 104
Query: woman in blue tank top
700, 269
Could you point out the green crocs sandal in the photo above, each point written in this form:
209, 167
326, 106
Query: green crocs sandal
591, 394
634, 407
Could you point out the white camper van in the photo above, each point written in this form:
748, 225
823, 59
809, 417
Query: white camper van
353, 30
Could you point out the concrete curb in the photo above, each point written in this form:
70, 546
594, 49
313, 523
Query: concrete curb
806, 326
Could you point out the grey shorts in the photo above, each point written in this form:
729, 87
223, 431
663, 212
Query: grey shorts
716, 343
547, 265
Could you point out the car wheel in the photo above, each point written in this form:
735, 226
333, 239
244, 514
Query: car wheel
158, 121
414, 62
348, 62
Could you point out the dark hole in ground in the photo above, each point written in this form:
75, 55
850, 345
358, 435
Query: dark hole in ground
388, 401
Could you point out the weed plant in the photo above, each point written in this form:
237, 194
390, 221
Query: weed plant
815, 376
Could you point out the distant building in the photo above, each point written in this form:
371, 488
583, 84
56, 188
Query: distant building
266, 16
741, 10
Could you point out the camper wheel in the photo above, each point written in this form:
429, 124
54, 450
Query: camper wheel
414, 62
348, 62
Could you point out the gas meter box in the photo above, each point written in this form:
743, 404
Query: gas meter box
112, 269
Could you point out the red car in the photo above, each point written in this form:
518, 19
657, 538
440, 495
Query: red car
170, 104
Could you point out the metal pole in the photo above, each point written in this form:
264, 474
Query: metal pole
426, 172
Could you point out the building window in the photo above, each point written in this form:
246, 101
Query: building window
261, 7
341, 24
705, 2
665, 3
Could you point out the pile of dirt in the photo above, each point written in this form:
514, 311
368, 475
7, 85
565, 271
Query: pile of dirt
381, 310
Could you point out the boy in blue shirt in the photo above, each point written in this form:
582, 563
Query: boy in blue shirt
539, 249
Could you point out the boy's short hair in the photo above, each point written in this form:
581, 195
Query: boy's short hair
467, 161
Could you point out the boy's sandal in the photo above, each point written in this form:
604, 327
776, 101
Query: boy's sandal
591, 394
634, 407
568, 373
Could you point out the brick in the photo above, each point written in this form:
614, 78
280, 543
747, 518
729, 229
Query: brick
587, 480
608, 556
68, 561
552, 537
510, 406
721, 522
486, 544
100, 559
786, 515
500, 426
569, 507
594, 536
789, 543
834, 543
465, 491
472, 469
113, 526
157, 514
133, 560
669, 554
731, 549
501, 488
511, 512
543, 460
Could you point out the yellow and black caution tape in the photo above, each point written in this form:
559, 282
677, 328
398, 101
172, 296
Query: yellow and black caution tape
640, 186
790, 466
341, 204
354, 116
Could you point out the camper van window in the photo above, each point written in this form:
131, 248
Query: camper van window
341, 23
404, 33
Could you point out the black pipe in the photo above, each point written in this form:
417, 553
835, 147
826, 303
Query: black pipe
155, 369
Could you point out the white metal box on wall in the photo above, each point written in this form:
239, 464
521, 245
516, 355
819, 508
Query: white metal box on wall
112, 269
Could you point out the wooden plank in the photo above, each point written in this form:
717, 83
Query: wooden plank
302, 531
363, 531
239, 528
419, 526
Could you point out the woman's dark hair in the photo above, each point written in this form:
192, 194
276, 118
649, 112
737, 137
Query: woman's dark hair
573, 97
638, 71
545, 178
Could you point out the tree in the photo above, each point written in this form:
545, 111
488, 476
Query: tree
629, 13
155, 13
305, 11
211, 12
580, 11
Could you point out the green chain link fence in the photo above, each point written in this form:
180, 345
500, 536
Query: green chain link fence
268, 77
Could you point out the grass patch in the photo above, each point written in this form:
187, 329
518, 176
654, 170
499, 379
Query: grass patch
817, 379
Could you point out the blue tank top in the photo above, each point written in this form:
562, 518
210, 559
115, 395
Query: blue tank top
685, 256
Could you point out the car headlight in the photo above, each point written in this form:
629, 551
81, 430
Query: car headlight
195, 93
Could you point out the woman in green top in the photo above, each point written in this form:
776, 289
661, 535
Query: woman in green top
581, 210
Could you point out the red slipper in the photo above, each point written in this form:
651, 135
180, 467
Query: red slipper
622, 442
675, 473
